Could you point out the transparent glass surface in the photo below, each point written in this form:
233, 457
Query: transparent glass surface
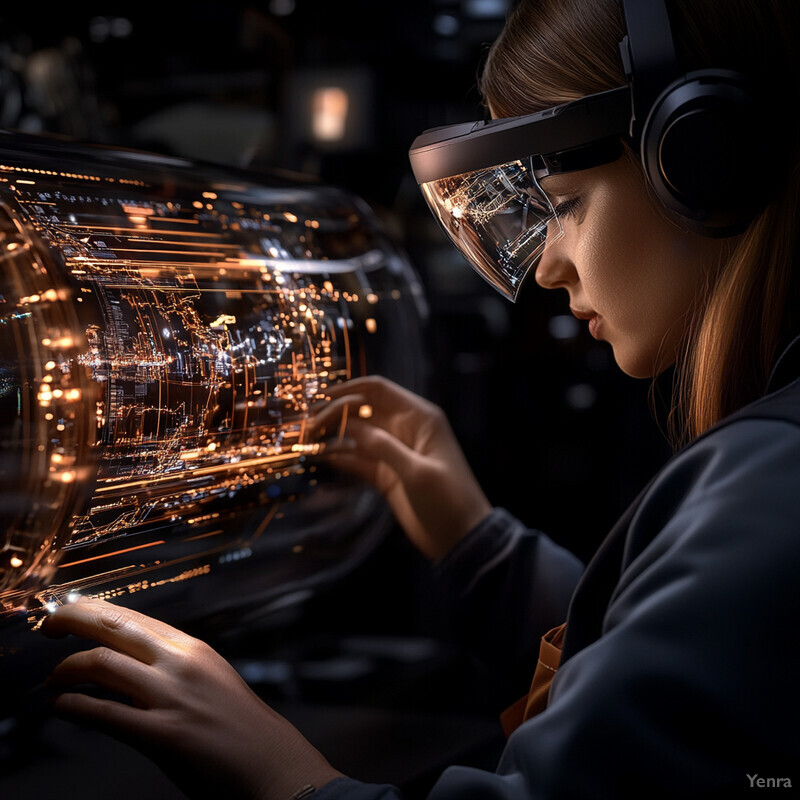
499, 218
164, 328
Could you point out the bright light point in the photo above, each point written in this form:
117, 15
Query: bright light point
51, 606
72, 597
16, 561
365, 411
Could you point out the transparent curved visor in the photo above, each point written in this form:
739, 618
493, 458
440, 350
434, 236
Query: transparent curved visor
499, 218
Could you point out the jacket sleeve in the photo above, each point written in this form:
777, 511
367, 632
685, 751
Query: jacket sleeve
498, 591
691, 691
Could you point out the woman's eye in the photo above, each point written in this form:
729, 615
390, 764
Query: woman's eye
568, 207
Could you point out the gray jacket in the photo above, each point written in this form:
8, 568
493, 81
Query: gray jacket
680, 668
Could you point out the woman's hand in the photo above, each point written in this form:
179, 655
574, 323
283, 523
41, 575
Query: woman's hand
404, 445
191, 712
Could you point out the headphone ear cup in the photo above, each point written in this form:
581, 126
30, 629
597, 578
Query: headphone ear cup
695, 146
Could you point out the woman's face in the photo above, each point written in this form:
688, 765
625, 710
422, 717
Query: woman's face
628, 270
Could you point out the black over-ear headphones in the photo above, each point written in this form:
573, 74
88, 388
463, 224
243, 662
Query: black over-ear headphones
698, 132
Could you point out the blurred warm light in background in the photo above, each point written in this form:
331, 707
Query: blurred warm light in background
329, 107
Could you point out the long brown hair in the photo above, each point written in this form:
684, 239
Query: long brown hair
551, 51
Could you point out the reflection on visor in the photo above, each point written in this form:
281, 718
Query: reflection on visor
499, 218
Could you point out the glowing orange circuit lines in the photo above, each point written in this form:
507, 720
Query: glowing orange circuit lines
193, 473
204, 535
115, 553
190, 289
189, 250
137, 231
264, 522
348, 366
211, 267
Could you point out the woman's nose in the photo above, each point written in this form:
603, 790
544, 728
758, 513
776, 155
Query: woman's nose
555, 270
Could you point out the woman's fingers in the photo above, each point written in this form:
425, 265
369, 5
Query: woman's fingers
330, 418
363, 467
381, 446
132, 644
368, 384
117, 719
190, 710
403, 444
372, 397
106, 669
117, 627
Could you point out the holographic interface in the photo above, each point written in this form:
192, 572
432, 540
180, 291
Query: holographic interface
164, 327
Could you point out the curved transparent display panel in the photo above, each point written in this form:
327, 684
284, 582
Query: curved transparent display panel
164, 327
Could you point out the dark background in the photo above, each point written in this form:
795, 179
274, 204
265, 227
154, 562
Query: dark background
553, 430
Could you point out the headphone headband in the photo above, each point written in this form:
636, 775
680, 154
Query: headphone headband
648, 54
696, 131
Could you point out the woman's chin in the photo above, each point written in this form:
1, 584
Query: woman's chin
639, 365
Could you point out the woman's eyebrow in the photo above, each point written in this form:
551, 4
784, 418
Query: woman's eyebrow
556, 184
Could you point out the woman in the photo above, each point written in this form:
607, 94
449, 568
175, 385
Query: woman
675, 674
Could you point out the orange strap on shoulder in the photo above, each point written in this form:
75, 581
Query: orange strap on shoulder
536, 700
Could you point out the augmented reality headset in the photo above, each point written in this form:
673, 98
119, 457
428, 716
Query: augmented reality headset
482, 179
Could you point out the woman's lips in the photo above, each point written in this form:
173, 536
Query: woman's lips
592, 317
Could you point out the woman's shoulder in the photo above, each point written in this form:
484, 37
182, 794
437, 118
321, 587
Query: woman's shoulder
764, 435
735, 488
